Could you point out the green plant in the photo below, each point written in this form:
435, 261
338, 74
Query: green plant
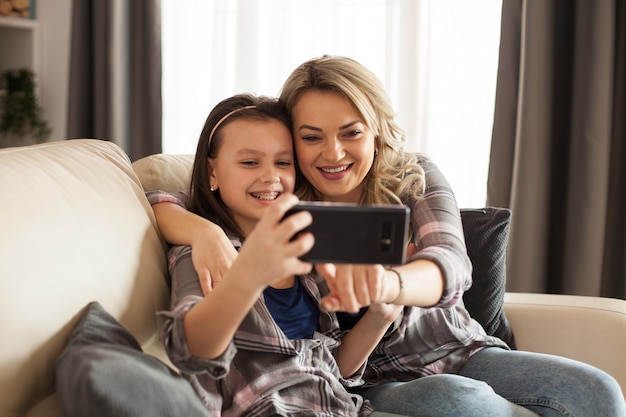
20, 114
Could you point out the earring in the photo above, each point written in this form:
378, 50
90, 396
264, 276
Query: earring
212, 189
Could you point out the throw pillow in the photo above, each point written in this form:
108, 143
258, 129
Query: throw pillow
102, 372
486, 237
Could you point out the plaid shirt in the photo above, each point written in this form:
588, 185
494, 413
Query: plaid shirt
262, 372
439, 339
422, 341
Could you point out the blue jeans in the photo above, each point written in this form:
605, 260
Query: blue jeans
497, 382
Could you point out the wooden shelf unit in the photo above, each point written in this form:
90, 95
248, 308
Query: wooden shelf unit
20, 44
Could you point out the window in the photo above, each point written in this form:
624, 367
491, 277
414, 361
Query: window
437, 60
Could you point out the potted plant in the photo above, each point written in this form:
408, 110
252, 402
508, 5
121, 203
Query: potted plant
21, 119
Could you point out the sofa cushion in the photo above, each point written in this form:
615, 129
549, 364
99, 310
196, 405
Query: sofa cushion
486, 237
103, 372
75, 227
164, 172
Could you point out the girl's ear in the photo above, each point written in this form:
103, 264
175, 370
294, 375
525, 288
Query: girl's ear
213, 184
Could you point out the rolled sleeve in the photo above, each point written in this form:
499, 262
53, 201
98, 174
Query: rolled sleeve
436, 222
186, 293
173, 335
178, 198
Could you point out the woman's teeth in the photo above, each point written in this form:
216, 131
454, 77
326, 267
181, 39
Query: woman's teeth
335, 170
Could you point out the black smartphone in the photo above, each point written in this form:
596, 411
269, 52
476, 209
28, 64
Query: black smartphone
351, 233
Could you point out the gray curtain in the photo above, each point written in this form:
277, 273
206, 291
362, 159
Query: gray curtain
115, 74
558, 156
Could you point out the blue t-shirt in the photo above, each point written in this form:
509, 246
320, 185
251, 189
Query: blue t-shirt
294, 310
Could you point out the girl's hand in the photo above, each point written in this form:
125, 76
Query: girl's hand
271, 252
384, 311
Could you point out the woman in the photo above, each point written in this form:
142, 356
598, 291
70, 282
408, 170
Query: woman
434, 360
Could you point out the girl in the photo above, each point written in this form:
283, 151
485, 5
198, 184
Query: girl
257, 345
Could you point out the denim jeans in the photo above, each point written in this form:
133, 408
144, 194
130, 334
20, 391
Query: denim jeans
496, 383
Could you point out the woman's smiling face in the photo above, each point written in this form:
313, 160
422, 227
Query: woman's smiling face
334, 147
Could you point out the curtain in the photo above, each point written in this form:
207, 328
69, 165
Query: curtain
436, 59
215, 48
115, 74
558, 154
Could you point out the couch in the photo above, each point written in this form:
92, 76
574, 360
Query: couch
75, 227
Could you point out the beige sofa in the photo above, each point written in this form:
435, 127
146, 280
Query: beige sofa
75, 227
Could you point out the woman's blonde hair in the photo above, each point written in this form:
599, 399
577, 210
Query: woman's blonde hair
394, 174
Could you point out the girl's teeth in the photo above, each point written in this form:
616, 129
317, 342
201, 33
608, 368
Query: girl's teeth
263, 196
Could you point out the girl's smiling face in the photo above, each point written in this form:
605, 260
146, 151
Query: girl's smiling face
334, 147
253, 167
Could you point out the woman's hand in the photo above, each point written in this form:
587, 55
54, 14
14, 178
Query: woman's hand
355, 286
212, 255
212, 252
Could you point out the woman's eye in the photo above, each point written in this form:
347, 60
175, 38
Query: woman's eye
353, 133
310, 138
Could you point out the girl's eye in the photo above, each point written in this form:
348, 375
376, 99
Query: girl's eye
284, 163
249, 163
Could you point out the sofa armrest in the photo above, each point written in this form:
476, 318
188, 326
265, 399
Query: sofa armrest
588, 329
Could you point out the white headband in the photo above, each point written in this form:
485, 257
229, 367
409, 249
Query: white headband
226, 117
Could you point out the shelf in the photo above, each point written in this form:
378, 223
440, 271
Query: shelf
20, 42
43, 45
18, 22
